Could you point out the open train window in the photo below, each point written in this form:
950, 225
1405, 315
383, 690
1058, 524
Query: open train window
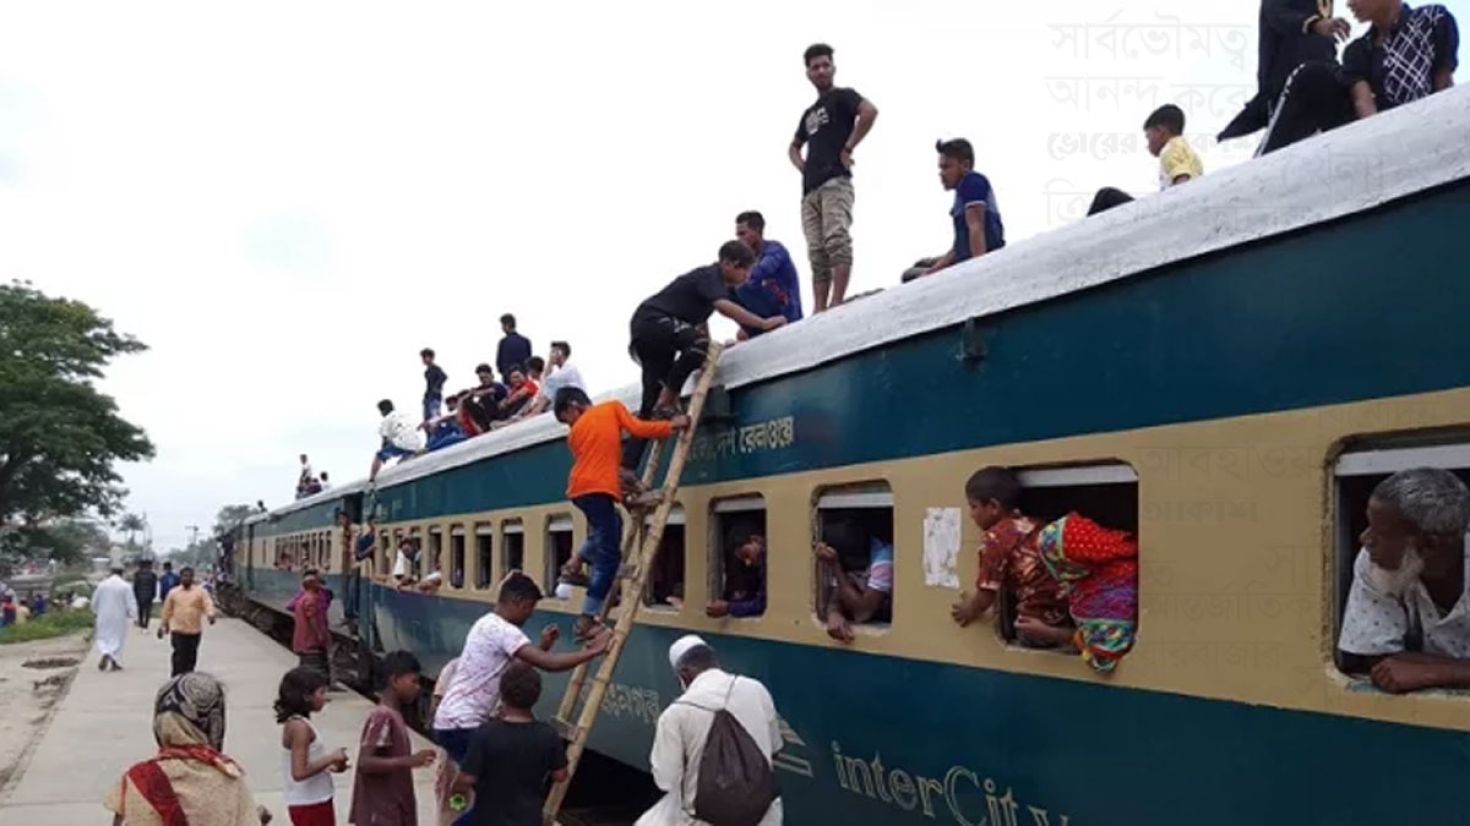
559, 542
512, 546
1106, 493
434, 561
737, 556
484, 555
855, 524
456, 556
665, 589
386, 546
1358, 471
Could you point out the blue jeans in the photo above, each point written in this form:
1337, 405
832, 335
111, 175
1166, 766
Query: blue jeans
389, 451
601, 551
432, 407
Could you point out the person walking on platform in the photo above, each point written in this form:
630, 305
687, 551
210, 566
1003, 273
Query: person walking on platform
145, 586
114, 606
184, 612
168, 580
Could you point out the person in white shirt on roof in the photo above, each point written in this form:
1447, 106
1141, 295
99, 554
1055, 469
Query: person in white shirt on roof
1407, 621
683, 728
400, 438
559, 374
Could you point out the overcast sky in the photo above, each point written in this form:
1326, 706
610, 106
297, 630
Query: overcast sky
286, 201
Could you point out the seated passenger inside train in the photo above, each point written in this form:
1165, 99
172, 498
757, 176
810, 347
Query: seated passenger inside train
1009, 561
1407, 621
857, 567
744, 593
406, 565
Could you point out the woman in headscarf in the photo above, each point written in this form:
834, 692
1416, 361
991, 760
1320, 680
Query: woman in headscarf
189, 782
1098, 570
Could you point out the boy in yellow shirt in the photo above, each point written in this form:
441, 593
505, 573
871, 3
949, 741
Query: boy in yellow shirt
1164, 131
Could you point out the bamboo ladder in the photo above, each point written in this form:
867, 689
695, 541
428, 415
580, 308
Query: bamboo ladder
633, 586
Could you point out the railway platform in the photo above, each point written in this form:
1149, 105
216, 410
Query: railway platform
104, 724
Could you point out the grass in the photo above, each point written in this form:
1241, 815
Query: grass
54, 623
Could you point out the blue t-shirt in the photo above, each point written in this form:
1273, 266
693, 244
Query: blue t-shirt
773, 288
975, 188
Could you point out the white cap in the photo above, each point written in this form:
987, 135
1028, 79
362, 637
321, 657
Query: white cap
681, 647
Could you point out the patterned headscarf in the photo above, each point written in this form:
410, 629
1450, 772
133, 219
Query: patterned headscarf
190, 711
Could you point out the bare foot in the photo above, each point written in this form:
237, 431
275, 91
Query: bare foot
587, 627
838, 629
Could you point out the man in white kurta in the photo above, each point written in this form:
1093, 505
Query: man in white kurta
678, 745
116, 609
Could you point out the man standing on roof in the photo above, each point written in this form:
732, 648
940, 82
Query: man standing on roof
833, 127
434, 378
1292, 32
514, 349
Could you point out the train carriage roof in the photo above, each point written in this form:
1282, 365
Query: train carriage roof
1367, 164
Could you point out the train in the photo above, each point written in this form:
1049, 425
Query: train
1225, 369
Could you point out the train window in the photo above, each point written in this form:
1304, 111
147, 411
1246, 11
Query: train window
1359, 470
484, 559
738, 557
456, 556
855, 561
434, 563
385, 552
512, 546
559, 542
1106, 493
665, 590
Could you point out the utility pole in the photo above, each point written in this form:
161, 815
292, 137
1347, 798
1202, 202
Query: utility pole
193, 537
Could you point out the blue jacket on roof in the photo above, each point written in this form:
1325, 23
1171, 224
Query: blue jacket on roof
774, 288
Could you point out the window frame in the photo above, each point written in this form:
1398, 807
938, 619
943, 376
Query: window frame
866, 494
509, 527
484, 573
678, 518
555, 523
719, 510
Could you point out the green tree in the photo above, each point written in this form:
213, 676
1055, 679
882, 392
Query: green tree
68, 541
59, 436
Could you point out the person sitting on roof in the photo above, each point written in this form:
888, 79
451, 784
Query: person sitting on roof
400, 438
773, 288
561, 374
976, 216
522, 391
1178, 163
1407, 621
445, 430
480, 405
1292, 32
855, 596
1407, 54
1009, 561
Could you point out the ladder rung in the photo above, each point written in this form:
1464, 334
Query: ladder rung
564, 729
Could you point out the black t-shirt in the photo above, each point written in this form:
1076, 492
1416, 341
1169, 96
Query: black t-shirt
434, 379
690, 298
1424, 42
510, 763
827, 125
145, 582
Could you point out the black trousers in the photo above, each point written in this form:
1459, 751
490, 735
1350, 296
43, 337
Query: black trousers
669, 350
1313, 101
186, 651
145, 609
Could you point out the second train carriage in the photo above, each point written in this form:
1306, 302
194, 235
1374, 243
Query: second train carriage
1226, 369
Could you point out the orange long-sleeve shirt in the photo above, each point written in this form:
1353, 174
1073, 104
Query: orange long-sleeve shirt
596, 441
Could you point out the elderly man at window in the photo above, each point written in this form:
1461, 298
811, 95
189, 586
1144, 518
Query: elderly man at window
1407, 620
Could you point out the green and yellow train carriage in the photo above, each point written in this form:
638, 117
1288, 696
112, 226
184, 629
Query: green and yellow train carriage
1225, 368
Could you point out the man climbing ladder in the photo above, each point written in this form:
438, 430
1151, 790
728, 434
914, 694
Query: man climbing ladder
576, 412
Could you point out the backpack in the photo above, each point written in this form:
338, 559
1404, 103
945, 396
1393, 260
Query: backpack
736, 783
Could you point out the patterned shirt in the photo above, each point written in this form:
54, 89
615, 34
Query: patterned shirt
386, 798
1401, 69
1376, 624
474, 693
1009, 560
